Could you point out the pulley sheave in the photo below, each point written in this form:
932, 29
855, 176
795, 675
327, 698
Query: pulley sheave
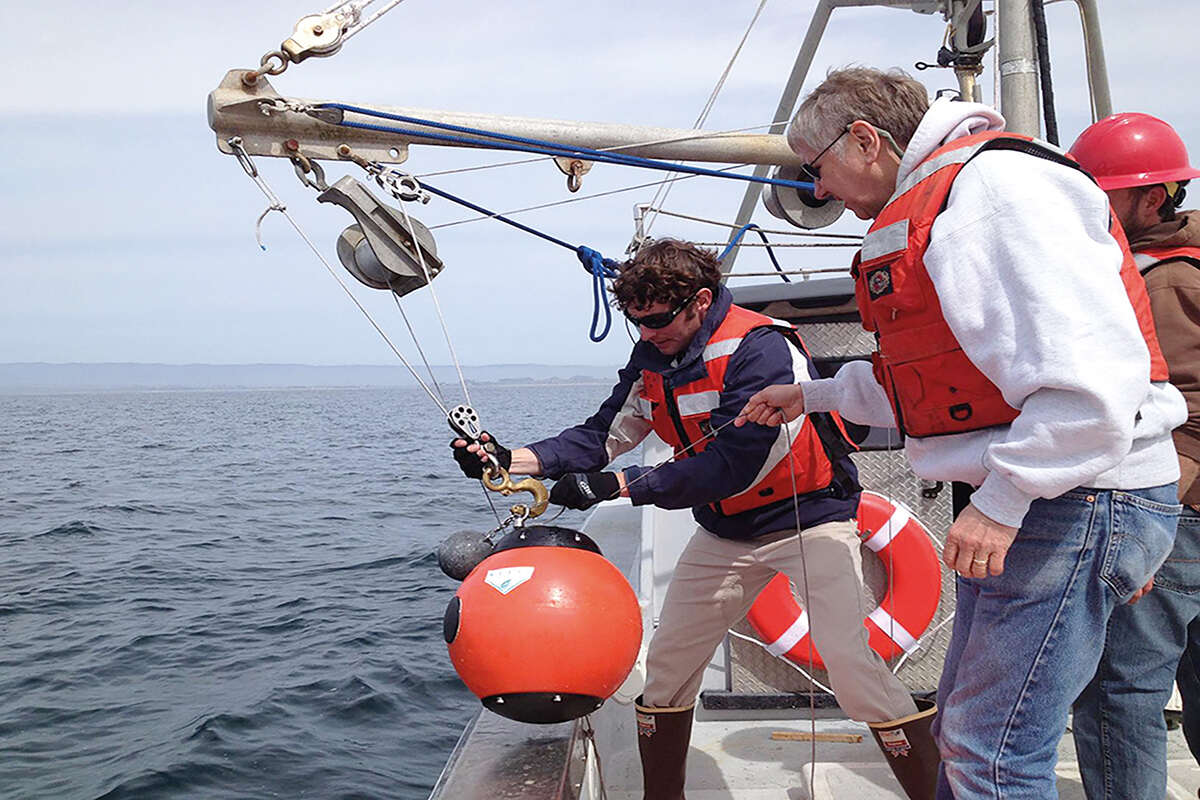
799, 206
379, 251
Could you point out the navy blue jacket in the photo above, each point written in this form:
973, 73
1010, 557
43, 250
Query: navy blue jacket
731, 460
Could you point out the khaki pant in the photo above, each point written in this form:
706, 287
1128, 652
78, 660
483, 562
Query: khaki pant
715, 583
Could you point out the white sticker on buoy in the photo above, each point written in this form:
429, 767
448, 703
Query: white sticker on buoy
505, 579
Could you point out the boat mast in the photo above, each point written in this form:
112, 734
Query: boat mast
1018, 67
1097, 67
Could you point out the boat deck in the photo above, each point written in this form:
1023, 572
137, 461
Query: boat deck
737, 759
733, 754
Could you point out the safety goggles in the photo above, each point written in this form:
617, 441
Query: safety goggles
661, 319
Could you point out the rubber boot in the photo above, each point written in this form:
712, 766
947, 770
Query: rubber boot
908, 745
663, 735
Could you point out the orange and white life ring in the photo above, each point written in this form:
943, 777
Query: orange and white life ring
906, 549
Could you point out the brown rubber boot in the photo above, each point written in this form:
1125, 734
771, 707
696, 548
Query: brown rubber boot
910, 750
663, 735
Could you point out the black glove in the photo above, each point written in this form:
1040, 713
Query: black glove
471, 464
580, 490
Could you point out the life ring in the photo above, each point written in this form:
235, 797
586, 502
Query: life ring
906, 549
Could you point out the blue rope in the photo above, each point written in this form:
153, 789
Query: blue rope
600, 267
538, 146
750, 226
500, 217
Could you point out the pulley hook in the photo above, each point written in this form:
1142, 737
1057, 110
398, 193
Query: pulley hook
464, 421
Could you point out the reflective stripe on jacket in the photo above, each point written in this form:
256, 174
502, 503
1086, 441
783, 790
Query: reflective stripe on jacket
1150, 257
933, 387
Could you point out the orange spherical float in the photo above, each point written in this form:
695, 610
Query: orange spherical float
544, 629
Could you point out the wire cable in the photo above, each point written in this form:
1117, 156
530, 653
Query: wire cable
664, 189
614, 148
733, 242
276, 205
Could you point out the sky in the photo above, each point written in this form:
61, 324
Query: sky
126, 236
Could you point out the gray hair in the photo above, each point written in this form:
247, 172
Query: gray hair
893, 101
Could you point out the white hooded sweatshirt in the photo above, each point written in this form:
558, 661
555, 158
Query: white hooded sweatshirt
1029, 282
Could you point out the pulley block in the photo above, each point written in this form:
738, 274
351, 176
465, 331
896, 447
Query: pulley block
385, 249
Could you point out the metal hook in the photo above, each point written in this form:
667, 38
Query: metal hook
258, 225
575, 177
305, 165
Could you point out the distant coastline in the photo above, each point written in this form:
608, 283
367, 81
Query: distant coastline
35, 377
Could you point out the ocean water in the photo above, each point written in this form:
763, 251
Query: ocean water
235, 594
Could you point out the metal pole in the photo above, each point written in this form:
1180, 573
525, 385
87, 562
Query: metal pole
967, 71
804, 59
237, 110
1097, 68
1018, 67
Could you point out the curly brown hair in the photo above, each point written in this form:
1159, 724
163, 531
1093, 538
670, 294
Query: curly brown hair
666, 271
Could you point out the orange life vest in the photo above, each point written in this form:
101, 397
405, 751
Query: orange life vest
681, 416
933, 387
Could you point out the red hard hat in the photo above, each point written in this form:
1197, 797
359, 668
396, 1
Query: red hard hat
1127, 150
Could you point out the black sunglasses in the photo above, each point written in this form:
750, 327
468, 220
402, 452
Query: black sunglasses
810, 168
663, 318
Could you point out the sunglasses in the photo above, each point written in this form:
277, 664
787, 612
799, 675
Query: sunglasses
813, 172
663, 318
810, 168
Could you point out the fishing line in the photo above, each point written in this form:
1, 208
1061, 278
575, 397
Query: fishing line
710, 435
812, 649
807, 676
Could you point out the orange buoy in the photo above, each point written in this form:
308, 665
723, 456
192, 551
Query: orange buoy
906, 549
544, 629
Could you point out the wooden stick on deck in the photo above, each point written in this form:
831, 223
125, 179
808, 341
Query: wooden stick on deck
804, 736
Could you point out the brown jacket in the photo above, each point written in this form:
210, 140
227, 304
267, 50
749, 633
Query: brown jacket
1174, 289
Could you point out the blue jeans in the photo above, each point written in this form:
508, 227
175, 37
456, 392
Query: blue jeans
1120, 734
1026, 642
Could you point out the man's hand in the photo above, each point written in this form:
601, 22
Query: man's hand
582, 490
976, 545
474, 457
773, 406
